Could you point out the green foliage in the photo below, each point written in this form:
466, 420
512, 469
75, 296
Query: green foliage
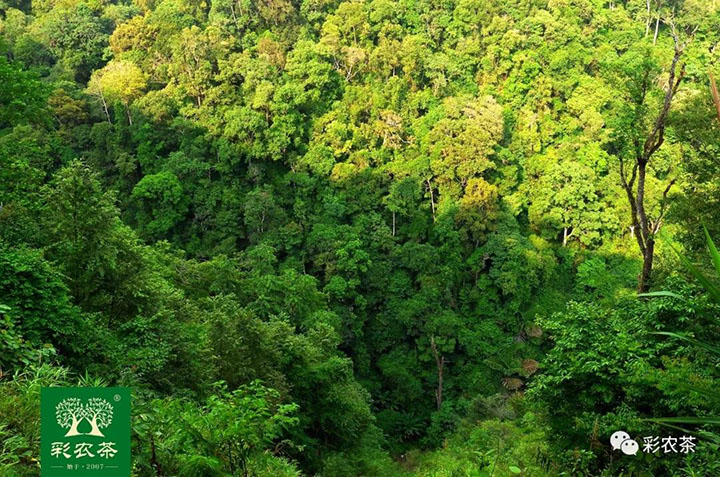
590, 369
22, 97
496, 446
711, 289
77, 38
17, 351
80, 219
37, 306
388, 211
224, 436
163, 204
20, 417
569, 202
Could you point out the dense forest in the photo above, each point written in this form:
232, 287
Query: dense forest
364, 238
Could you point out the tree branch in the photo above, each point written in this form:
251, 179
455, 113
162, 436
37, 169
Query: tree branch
663, 207
715, 95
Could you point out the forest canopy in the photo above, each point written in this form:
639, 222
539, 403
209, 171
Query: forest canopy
364, 238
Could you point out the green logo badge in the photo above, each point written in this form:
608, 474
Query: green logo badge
85, 432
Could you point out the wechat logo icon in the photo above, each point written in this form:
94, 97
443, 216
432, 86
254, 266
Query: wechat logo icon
621, 440
70, 412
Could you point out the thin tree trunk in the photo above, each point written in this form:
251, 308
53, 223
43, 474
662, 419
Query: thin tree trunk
232, 10
153, 457
647, 20
440, 363
230, 460
657, 27
432, 198
105, 108
393, 223
716, 96
647, 234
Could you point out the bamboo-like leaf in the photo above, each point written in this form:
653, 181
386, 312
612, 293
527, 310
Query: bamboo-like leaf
713, 290
699, 344
709, 393
713, 251
656, 294
687, 420
707, 435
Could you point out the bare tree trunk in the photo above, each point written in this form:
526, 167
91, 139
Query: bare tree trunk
647, 20
440, 363
105, 108
232, 10
716, 96
432, 198
566, 236
657, 27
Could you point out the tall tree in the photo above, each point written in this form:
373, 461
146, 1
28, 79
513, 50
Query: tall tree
633, 172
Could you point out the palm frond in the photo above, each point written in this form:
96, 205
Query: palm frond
709, 286
700, 344
713, 251
701, 434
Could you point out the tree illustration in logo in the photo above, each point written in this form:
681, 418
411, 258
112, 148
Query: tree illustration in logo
69, 413
99, 413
